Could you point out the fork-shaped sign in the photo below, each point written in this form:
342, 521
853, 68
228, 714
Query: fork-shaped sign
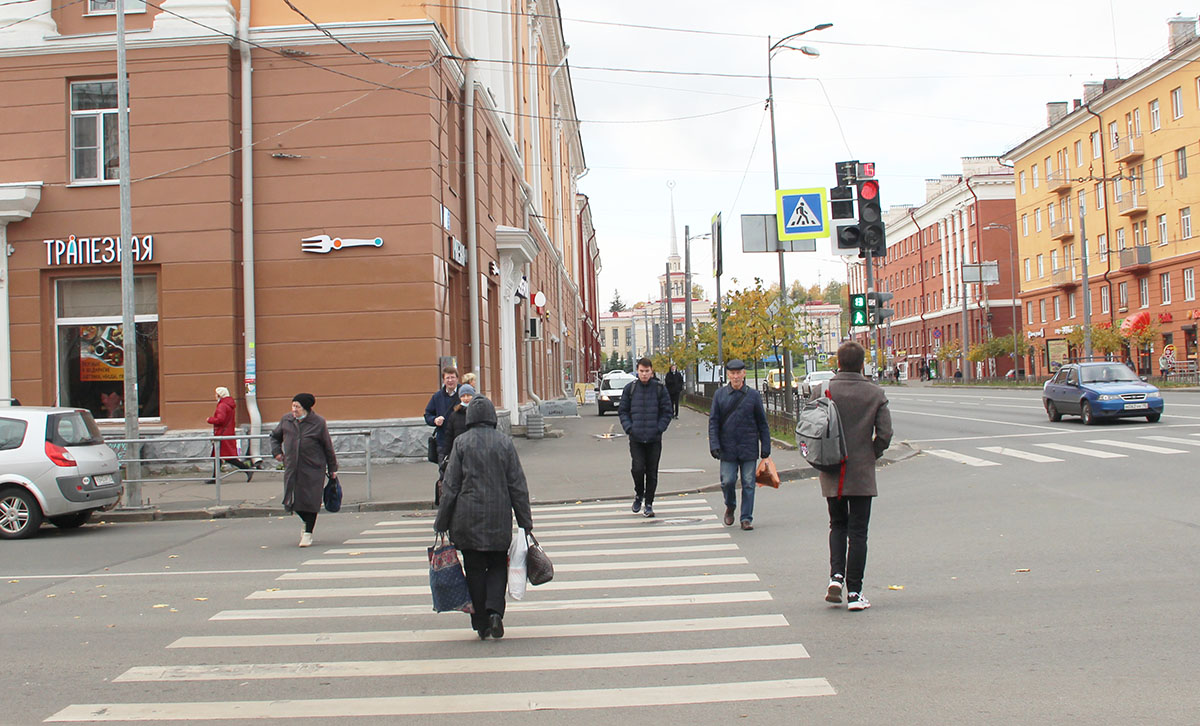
323, 243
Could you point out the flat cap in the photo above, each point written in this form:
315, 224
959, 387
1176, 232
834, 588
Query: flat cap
735, 364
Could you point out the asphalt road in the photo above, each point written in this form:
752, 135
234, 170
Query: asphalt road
1032, 591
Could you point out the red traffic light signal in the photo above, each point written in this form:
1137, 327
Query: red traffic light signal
868, 190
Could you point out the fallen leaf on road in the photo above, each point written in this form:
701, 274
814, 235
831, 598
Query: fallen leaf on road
272, 589
172, 557
354, 554
1023, 569
162, 605
52, 595
173, 610
11, 582
200, 599
895, 587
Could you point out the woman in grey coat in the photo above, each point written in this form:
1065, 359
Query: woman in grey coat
302, 442
483, 488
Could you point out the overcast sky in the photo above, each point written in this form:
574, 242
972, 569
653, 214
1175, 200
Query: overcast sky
912, 86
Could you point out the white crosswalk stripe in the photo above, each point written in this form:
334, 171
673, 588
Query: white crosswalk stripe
961, 458
681, 562
1167, 439
1082, 451
1136, 446
1019, 454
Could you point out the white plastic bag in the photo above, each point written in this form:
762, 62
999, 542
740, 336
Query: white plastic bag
516, 565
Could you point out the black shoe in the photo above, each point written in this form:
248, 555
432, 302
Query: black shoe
637, 505
497, 625
649, 513
483, 632
249, 475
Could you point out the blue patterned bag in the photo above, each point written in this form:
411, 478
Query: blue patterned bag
446, 579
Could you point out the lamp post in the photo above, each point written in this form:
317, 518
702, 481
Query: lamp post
694, 373
806, 50
1012, 276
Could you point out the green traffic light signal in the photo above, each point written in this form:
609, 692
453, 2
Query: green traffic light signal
858, 309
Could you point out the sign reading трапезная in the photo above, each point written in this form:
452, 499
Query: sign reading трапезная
95, 250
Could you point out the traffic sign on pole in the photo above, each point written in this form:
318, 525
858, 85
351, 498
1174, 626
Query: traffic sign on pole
801, 213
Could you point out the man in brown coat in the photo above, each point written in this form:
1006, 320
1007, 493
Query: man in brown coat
867, 432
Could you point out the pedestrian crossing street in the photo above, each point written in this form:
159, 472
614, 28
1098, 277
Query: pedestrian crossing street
1041, 452
641, 613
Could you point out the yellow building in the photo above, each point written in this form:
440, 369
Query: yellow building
1121, 153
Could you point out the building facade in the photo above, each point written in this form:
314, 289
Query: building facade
964, 221
1107, 184
343, 220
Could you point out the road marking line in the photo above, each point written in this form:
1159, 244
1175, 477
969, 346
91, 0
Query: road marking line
667, 509
961, 458
671, 501
1017, 454
458, 703
402, 590
444, 666
1136, 447
601, 566
646, 527
321, 613
1171, 440
631, 520
925, 414
158, 573
648, 536
439, 635
629, 551
1095, 453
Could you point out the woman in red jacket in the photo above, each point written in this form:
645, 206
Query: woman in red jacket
222, 421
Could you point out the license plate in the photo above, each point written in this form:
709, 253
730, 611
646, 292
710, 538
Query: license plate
103, 480
1136, 406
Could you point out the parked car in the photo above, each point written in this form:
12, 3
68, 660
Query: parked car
1100, 390
54, 466
611, 388
812, 380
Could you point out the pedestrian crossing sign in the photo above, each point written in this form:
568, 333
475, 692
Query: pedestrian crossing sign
801, 213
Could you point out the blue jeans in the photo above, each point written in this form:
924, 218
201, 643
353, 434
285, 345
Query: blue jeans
730, 471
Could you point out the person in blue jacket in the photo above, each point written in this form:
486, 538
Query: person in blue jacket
645, 411
738, 434
439, 407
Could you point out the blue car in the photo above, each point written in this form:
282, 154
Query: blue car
1100, 390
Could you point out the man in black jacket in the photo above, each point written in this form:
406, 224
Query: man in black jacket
645, 412
674, 387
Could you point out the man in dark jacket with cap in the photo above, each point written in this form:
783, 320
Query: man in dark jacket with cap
737, 435
645, 412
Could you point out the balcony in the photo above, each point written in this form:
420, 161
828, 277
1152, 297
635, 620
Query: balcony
1061, 229
1059, 180
1064, 278
1131, 203
1129, 148
1135, 260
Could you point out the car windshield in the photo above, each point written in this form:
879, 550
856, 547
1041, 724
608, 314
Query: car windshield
76, 428
1115, 373
617, 382
820, 375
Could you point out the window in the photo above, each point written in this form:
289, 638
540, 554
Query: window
1162, 229
1029, 312
1144, 292
1042, 308
603, 337
1155, 123
12, 433
1189, 283
1024, 225
1114, 136
1050, 214
1022, 177
1185, 223
1027, 277
1141, 236
1033, 170
628, 336
1177, 103
1054, 260
1057, 308
1141, 178
1041, 267
1117, 188
1181, 163
1158, 172
1071, 305
94, 131
1104, 301
1079, 152
1102, 247
1123, 295
109, 7
92, 345
1164, 286
1100, 195
1095, 144
1037, 220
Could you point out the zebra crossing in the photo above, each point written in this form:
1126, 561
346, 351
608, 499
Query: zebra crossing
639, 614
1053, 452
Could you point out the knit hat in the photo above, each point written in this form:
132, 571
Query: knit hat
466, 389
306, 400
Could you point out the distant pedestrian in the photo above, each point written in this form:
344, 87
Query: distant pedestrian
440, 404
456, 424
675, 387
302, 442
1165, 362
738, 434
484, 488
223, 422
645, 412
468, 378
867, 432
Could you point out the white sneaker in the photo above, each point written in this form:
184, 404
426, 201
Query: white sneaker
834, 593
306, 539
855, 601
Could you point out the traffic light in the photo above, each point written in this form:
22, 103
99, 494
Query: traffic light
878, 312
870, 219
858, 310
841, 214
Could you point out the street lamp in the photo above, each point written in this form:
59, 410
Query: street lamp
1012, 276
813, 52
687, 299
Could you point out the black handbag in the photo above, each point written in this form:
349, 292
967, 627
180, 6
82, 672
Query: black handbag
332, 495
432, 454
539, 569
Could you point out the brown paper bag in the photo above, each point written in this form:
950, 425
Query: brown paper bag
766, 475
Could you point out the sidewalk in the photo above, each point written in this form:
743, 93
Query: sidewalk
579, 465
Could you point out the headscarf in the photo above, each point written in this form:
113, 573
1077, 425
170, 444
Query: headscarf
222, 391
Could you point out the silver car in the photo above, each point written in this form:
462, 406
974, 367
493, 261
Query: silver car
54, 466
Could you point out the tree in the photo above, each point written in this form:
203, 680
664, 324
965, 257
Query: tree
697, 291
797, 292
617, 305
758, 323
950, 350
1106, 339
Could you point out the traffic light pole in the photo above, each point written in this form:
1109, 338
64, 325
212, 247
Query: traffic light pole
783, 300
870, 295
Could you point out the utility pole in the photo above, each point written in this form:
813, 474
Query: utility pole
687, 300
1087, 295
669, 333
133, 467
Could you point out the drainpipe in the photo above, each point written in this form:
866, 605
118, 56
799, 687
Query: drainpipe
979, 291
469, 185
1112, 304
527, 192
248, 310
921, 252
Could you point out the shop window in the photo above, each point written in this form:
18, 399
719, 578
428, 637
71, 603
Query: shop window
92, 345
94, 131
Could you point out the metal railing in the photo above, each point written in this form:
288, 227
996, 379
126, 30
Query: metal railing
211, 462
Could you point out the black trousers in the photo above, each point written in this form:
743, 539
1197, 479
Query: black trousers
310, 520
675, 396
848, 520
645, 456
487, 581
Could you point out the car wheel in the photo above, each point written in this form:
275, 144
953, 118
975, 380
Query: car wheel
1153, 417
1085, 413
20, 515
1052, 411
71, 521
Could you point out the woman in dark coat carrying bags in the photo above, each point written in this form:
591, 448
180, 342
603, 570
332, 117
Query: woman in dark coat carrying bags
455, 425
302, 442
483, 489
